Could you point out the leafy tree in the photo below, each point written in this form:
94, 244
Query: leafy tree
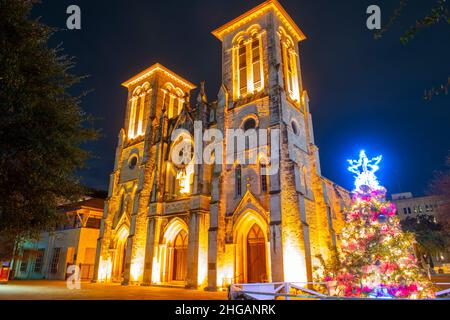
440, 185
439, 12
431, 237
42, 126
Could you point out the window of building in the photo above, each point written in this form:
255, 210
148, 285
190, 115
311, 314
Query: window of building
409, 210
24, 263
256, 63
405, 211
238, 180
133, 162
290, 66
93, 223
39, 260
173, 100
139, 102
249, 124
294, 127
264, 177
54, 265
242, 68
248, 62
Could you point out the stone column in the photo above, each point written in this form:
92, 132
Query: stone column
212, 248
193, 249
153, 232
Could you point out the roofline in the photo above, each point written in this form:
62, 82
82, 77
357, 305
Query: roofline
269, 4
158, 67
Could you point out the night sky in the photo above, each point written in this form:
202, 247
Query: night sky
364, 93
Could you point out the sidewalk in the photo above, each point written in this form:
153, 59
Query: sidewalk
57, 290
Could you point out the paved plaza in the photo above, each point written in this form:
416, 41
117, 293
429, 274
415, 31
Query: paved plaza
57, 290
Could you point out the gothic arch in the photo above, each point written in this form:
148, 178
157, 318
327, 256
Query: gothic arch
247, 117
120, 250
173, 99
252, 258
138, 106
244, 35
174, 251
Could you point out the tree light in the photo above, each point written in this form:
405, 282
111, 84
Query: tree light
365, 172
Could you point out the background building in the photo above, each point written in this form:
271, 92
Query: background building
73, 242
410, 206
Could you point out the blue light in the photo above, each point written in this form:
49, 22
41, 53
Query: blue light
364, 170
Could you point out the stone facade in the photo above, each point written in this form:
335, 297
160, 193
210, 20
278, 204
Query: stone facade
209, 225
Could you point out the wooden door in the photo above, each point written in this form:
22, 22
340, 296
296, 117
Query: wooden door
256, 255
180, 257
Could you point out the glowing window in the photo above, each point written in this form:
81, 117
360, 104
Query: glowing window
290, 66
247, 62
139, 101
173, 100
242, 69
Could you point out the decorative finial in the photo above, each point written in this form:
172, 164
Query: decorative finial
201, 98
365, 179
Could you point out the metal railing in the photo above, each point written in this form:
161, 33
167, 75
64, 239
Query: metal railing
297, 290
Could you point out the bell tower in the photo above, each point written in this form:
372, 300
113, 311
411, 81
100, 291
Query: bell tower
262, 90
155, 97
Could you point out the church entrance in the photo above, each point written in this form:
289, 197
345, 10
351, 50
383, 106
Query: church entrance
256, 255
174, 253
252, 255
179, 257
120, 253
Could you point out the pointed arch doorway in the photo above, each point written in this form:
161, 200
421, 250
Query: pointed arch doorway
179, 259
120, 252
256, 255
175, 250
252, 260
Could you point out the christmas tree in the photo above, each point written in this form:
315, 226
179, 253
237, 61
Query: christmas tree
376, 258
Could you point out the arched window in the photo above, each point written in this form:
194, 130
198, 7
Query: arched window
238, 181
263, 175
249, 124
256, 63
251, 139
294, 127
173, 100
242, 68
139, 102
290, 67
247, 62
122, 203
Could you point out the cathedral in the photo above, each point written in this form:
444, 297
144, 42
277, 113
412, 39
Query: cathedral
268, 215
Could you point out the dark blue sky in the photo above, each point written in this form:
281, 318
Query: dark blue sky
364, 93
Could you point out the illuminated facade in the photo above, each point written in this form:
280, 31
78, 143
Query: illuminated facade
209, 225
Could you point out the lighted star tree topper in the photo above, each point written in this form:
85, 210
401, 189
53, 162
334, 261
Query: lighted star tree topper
375, 259
365, 169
